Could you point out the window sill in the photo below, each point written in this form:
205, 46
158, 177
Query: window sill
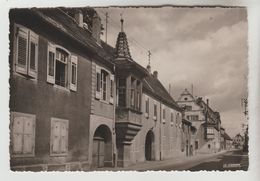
22, 155
25, 76
61, 88
58, 154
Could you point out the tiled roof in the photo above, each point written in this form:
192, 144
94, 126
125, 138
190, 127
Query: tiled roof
122, 48
154, 86
67, 25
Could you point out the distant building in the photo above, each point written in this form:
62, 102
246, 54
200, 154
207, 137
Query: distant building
206, 138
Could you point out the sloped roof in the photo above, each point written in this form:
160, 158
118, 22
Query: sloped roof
122, 48
226, 136
154, 86
62, 22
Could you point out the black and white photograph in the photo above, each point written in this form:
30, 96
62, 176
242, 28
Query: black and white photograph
128, 88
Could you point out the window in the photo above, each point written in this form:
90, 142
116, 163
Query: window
26, 51
103, 84
147, 106
155, 111
122, 92
188, 108
59, 136
132, 93
194, 117
210, 131
185, 98
22, 134
196, 145
61, 67
172, 118
164, 113
111, 89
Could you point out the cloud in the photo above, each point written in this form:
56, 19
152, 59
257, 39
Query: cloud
206, 47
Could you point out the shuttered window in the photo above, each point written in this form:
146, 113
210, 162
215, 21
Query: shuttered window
98, 82
22, 51
23, 134
73, 73
26, 57
59, 136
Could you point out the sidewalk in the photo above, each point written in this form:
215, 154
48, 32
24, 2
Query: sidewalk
180, 163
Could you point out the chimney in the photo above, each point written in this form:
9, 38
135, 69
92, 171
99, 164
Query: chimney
79, 17
155, 74
149, 69
96, 27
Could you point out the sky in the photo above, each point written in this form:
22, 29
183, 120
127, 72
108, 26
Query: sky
203, 47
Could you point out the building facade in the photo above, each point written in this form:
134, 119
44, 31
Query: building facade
58, 120
206, 138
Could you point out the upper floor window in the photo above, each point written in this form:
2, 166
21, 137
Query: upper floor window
172, 117
26, 51
188, 108
210, 130
155, 111
22, 134
61, 67
163, 114
147, 106
104, 85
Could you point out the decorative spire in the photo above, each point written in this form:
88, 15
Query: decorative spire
122, 22
122, 48
149, 62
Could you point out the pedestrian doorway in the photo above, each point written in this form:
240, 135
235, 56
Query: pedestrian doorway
102, 147
149, 146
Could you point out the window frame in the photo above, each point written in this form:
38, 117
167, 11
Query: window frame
13, 116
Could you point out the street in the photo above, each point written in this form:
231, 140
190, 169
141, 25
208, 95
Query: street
233, 160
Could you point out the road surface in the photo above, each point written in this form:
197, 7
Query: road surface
233, 160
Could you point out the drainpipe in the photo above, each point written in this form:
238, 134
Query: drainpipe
114, 119
160, 129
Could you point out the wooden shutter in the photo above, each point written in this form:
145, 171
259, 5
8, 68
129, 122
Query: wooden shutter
55, 136
112, 79
28, 135
33, 54
21, 50
64, 137
17, 136
98, 82
73, 72
51, 63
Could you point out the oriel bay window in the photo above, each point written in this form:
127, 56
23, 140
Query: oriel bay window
121, 92
61, 67
26, 51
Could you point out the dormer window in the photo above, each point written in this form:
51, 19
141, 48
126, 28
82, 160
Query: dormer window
185, 98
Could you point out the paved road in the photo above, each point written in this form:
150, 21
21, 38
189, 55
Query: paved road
233, 160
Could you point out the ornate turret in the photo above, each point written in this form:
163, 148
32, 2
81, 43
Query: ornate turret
122, 48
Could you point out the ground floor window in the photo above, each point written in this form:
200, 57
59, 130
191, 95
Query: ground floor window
22, 134
59, 136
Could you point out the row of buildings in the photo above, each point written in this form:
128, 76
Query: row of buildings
77, 103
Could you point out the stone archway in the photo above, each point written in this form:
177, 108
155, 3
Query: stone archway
102, 147
149, 146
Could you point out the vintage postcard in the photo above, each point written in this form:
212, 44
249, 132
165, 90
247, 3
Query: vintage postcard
128, 88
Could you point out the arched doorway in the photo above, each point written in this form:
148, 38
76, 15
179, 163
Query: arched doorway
149, 146
102, 147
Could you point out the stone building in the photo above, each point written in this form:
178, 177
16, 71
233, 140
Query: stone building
59, 121
77, 103
148, 121
206, 138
